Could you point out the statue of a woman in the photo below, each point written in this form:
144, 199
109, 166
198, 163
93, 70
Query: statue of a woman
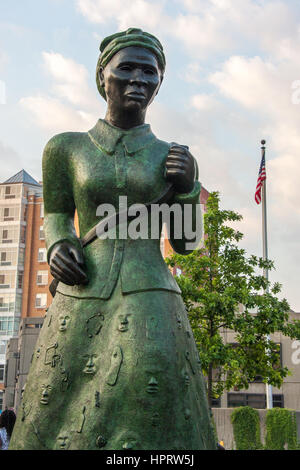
115, 365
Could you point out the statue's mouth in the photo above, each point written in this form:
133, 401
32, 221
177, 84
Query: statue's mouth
123, 328
136, 95
89, 370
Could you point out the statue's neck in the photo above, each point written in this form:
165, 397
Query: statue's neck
125, 119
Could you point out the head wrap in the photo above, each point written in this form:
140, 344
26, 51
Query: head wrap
132, 37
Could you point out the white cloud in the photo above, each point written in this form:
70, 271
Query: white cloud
70, 79
51, 114
127, 13
11, 159
204, 102
72, 105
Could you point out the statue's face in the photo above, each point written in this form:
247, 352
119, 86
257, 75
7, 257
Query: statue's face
131, 79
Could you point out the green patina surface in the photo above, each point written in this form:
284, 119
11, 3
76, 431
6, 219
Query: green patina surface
115, 365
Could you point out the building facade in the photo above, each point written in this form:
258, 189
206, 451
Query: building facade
24, 273
287, 396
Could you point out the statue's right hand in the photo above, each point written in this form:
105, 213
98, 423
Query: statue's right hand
67, 264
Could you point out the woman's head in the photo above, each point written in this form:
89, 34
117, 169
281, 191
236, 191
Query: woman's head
7, 420
130, 68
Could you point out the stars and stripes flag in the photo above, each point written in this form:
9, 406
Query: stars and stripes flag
261, 177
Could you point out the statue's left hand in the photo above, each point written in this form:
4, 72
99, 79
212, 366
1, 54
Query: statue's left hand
180, 168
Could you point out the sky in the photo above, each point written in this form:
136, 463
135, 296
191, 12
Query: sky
232, 79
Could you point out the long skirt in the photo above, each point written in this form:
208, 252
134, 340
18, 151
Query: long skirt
115, 374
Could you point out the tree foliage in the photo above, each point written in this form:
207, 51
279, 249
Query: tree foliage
222, 286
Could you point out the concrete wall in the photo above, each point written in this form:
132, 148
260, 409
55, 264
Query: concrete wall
28, 335
11, 368
18, 359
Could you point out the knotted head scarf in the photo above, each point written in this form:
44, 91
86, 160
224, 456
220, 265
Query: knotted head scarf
132, 37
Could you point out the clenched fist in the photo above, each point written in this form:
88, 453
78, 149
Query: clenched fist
180, 168
66, 264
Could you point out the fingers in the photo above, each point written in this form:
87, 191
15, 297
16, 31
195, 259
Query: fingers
70, 267
59, 274
77, 256
66, 265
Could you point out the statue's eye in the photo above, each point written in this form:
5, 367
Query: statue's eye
149, 72
125, 68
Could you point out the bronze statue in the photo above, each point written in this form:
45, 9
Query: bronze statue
119, 355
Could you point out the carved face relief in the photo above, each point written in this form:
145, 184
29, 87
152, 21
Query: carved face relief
63, 322
90, 367
63, 442
123, 322
46, 391
152, 386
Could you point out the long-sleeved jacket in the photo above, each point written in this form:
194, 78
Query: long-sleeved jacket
84, 170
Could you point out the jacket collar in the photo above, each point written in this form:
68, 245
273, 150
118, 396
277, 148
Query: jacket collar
106, 137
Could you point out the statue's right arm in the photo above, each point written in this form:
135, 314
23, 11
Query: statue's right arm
64, 252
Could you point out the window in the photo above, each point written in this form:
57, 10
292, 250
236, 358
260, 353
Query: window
7, 214
20, 281
7, 303
42, 211
278, 401
42, 256
9, 234
42, 233
6, 326
255, 400
8, 256
10, 192
216, 402
2, 347
7, 279
41, 300
42, 278
2, 372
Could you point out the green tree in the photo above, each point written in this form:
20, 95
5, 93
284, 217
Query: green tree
221, 287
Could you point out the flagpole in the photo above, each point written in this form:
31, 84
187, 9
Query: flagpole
265, 257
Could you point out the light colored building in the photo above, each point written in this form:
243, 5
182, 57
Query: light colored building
287, 396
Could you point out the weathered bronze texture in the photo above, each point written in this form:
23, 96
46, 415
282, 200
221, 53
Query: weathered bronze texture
119, 367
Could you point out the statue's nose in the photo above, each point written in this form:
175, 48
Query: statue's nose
90, 362
137, 76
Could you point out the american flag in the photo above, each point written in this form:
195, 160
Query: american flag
260, 179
